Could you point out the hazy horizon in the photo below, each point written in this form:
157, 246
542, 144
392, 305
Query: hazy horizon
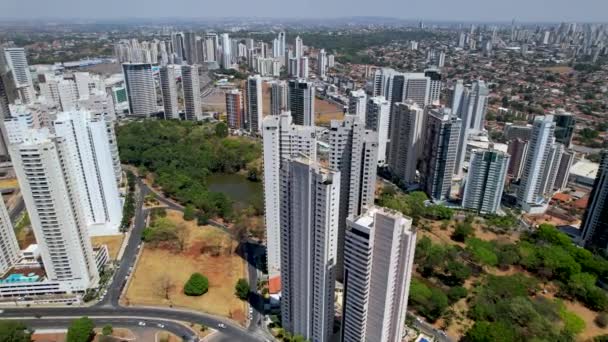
438, 10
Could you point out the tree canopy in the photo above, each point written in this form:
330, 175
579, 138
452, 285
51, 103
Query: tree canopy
14, 331
197, 285
81, 330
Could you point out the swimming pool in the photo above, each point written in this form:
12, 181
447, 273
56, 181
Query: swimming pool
20, 278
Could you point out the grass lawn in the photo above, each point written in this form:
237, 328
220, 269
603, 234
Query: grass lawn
112, 241
24, 232
223, 268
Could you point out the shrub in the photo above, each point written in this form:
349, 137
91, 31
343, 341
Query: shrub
197, 285
242, 289
601, 320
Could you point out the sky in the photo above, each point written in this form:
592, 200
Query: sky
452, 10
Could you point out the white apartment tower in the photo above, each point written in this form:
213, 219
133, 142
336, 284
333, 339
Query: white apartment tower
141, 90
485, 181
353, 152
310, 197
281, 140
299, 47
377, 118
530, 193
168, 87
9, 248
357, 103
16, 60
42, 164
278, 97
406, 140
254, 104
322, 63
192, 92
87, 145
472, 107
378, 261
226, 51
304, 68
302, 102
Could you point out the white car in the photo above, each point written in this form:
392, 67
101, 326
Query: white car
160, 325
222, 325
142, 324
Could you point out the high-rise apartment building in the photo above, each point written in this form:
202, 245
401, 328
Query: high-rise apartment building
435, 85
299, 47
353, 152
357, 103
565, 124
211, 47
439, 153
517, 150
310, 197
254, 104
398, 87
141, 90
9, 248
321, 64
168, 86
226, 51
302, 102
378, 261
87, 145
563, 171
377, 118
472, 110
304, 71
485, 181
281, 140
190, 50
530, 194
42, 165
406, 140
234, 108
278, 97
16, 60
192, 92
595, 221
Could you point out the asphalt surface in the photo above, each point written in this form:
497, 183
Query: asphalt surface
109, 306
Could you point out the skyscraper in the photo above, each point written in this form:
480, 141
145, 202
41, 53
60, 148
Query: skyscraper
565, 124
190, 50
472, 111
485, 181
439, 154
43, 168
302, 102
87, 146
321, 64
9, 248
304, 68
377, 119
563, 171
281, 140
310, 198
406, 140
398, 87
234, 108
530, 193
16, 61
192, 92
168, 88
357, 103
436, 83
353, 152
211, 47
518, 149
141, 90
254, 104
299, 47
378, 260
595, 221
226, 51
278, 97
5, 111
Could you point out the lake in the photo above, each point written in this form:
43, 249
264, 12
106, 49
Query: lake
238, 188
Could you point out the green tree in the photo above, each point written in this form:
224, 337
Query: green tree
462, 232
14, 331
81, 330
189, 212
242, 289
107, 330
221, 130
197, 285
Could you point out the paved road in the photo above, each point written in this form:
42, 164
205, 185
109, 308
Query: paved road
62, 323
110, 306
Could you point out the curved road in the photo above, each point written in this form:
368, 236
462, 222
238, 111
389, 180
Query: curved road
109, 306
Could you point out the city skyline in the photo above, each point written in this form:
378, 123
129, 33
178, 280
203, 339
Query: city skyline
476, 10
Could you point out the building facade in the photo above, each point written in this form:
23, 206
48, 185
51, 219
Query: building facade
485, 181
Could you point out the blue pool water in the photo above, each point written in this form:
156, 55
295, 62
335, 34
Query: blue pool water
20, 278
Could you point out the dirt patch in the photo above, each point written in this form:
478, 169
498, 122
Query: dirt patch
113, 242
9, 183
326, 111
162, 273
48, 337
591, 329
